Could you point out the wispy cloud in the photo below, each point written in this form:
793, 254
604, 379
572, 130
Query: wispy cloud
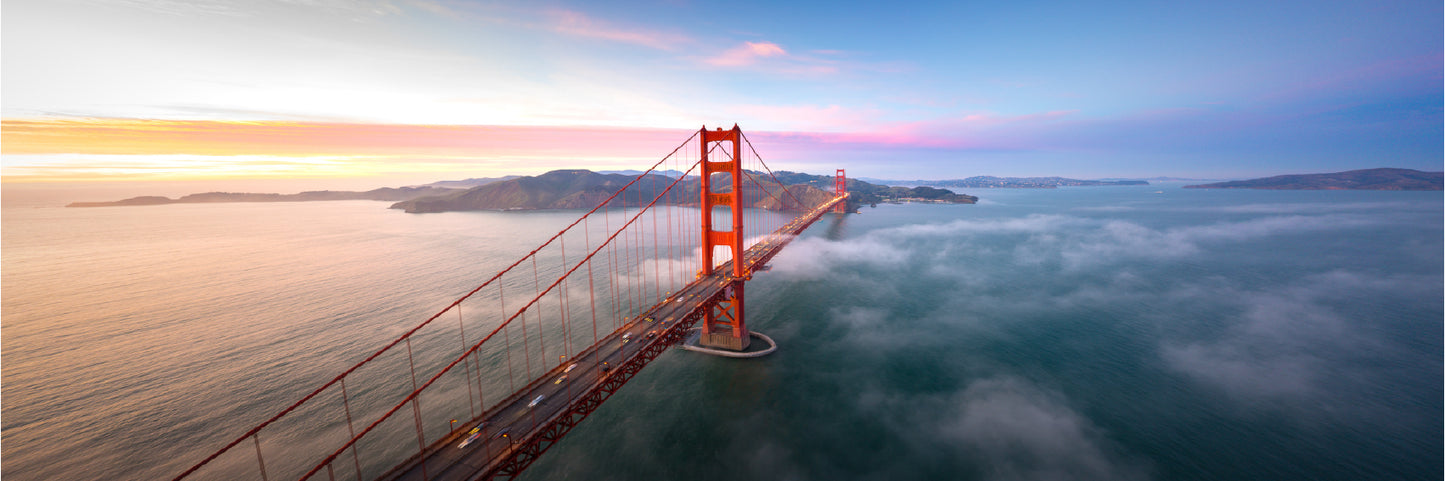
1077, 242
576, 23
747, 54
1283, 345
1024, 433
773, 58
182, 8
354, 9
1374, 77
1010, 429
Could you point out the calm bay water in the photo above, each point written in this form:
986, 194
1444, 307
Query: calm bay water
1087, 333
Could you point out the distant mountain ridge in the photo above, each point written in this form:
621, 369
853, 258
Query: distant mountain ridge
384, 193
991, 182
580, 189
468, 183
1365, 179
1161, 179
634, 173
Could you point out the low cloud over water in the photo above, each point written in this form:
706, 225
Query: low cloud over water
1005, 428
1017, 325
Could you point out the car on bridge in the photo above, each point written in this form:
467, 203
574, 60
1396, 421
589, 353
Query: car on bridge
537, 401
475, 433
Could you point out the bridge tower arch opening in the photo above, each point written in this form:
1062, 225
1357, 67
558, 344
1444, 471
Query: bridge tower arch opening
722, 323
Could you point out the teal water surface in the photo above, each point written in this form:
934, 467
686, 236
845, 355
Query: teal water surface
1145, 332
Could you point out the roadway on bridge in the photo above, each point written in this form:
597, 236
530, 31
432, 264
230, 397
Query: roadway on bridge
516, 420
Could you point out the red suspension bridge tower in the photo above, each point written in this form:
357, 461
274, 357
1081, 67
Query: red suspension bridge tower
723, 324
840, 187
507, 419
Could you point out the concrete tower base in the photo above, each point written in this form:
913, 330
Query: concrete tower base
725, 340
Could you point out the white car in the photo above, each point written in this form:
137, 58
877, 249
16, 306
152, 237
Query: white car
569, 368
537, 401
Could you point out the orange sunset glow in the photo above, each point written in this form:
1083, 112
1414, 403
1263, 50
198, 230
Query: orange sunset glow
125, 149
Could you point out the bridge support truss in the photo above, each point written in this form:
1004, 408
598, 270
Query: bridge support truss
723, 325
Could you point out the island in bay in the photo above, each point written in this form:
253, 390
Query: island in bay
1366, 179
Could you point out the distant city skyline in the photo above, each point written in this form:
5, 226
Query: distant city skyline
396, 92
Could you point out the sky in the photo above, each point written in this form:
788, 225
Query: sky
395, 92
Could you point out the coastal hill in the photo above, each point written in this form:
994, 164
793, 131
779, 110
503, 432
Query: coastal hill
580, 189
385, 193
558, 189
871, 193
468, 183
1367, 179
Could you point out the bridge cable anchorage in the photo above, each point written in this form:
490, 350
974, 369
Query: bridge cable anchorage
510, 444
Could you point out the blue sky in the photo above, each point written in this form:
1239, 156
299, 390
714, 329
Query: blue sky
891, 90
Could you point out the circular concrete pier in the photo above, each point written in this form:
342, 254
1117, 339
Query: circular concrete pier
691, 345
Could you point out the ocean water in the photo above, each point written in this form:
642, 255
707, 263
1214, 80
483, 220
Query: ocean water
1130, 333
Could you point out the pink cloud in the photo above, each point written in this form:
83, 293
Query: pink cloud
770, 57
747, 54
575, 23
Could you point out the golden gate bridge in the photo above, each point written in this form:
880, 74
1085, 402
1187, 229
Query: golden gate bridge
563, 329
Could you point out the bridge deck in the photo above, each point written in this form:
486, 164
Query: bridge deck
514, 434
